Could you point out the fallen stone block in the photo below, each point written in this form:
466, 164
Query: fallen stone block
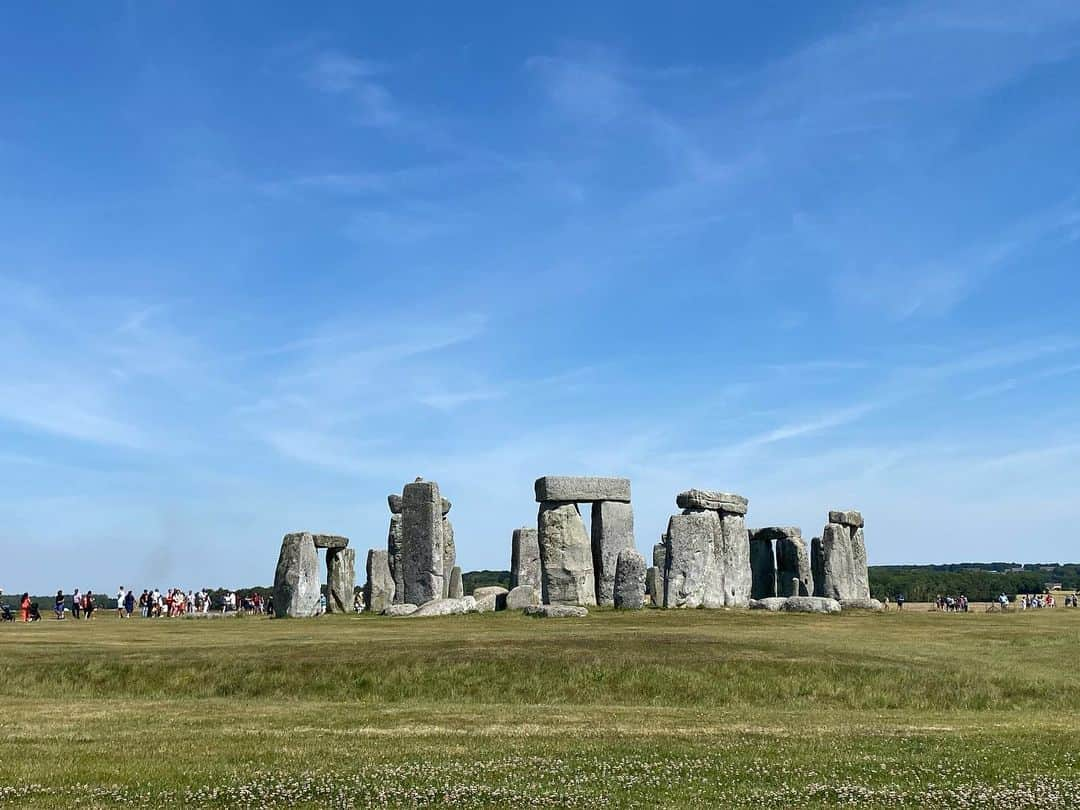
522, 596
861, 604
445, 607
557, 611
811, 604
400, 609
773, 604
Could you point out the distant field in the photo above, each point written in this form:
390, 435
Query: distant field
657, 708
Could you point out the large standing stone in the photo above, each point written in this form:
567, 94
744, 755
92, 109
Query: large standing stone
732, 559
422, 535
817, 566
296, 581
838, 579
629, 590
659, 553
712, 500
859, 569
612, 532
793, 565
691, 538
395, 547
449, 552
654, 586
456, 590
565, 556
340, 580
525, 559
395, 502
581, 489
522, 596
379, 590
762, 565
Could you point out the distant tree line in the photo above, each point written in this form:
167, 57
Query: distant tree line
979, 582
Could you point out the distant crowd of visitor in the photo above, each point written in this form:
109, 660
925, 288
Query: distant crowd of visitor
151, 604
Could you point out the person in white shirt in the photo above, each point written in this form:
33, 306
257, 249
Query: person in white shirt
120, 602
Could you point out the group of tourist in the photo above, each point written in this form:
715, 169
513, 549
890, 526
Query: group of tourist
151, 604
952, 604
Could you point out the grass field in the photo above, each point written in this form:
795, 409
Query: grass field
658, 708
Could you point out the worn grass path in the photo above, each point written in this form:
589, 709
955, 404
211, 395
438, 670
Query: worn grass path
668, 708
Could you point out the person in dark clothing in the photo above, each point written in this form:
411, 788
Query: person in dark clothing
58, 605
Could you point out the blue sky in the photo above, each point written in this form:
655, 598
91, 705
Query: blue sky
261, 264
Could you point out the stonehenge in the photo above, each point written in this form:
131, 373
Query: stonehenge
340, 580
629, 587
380, 588
297, 588
707, 552
525, 558
839, 559
706, 558
574, 568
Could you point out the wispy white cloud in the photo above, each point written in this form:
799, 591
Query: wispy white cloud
358, 80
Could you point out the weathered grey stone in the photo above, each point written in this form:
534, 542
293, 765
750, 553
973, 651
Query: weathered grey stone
731, 556
379, 588
557, 611
654, 586
565, 556
490, 598
522, 596
713, 500
296, 580
817, 566
841, 556
612, 532
395, 502
395, 548
329, 541
811, 604
341, 579
659, 553
525, 558
762, 565
445, 607
456, 589
446, 506
581, 489
860, 571
449, 553
691, 538
401, 609
422, 537
793, 574
629, 586
849, 517
773, 604
861, 604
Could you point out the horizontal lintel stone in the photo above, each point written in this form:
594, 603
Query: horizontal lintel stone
581, 489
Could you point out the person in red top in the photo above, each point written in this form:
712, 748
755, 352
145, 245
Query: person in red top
24, 606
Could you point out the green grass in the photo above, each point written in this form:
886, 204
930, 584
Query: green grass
665, 708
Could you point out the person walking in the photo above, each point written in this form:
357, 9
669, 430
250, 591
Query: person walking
900, 599
24, 607
88, 605
129, 604
58, 605
76, 604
